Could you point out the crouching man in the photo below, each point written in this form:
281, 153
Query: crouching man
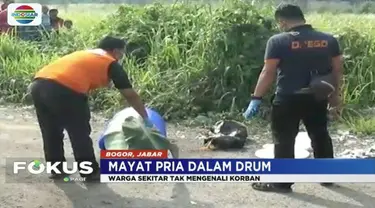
60, 95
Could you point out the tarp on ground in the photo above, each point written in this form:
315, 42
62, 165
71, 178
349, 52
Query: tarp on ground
126, 131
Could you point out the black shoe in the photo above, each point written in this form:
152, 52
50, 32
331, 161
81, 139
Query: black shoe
56, 176
327, 184
271, 187
94, 177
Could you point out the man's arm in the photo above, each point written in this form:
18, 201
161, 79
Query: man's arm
121, 81
271, 61
337, 65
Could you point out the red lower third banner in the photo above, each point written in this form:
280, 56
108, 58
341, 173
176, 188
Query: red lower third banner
135, 154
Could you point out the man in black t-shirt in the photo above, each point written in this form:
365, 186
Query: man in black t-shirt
295, 58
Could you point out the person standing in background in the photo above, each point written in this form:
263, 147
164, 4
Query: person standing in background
4, 26
68, 24
55, 20
46, 21
308, 67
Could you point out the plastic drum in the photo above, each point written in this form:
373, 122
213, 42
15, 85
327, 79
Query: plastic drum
157, 120
101, 143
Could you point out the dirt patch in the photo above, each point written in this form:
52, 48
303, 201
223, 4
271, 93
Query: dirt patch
20, 137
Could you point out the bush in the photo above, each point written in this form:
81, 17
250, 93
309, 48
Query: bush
195, 58
199, 58
185, 59
357, 42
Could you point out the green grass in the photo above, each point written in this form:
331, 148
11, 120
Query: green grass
85, 17
197, 59
361, 125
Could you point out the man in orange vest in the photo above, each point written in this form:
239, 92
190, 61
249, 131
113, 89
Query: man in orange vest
59, 92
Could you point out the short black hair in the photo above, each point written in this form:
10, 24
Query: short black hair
53, 10
289, 12
110, 43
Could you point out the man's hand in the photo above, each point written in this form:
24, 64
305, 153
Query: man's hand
252, 109
335, 106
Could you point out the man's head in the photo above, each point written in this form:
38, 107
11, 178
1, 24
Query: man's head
68, 24
53, 13
45, 9
114, 46
289, 16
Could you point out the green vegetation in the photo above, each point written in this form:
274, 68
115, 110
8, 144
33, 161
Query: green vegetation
187, 60
356, 7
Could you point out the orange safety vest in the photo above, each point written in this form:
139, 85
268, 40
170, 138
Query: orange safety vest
81, 71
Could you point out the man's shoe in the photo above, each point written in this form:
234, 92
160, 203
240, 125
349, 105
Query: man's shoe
271, 187
94, 177
327, 184
56, 176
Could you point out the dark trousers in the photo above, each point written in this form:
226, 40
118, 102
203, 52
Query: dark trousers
285, 121
59, 108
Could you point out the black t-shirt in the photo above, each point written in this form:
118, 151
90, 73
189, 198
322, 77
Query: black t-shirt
302, 52
119, 77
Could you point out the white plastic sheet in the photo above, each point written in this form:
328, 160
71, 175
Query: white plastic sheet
302, 148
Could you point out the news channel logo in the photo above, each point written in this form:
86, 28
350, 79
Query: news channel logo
22, 14
36, 167
36, 170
